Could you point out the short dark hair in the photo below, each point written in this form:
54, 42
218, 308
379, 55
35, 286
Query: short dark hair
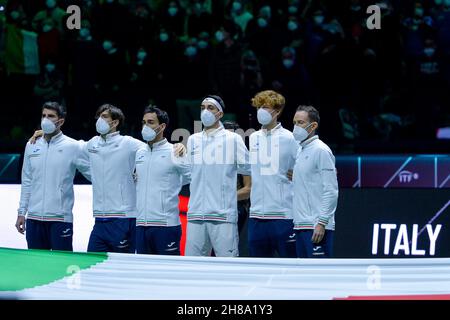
218, 99
162, 115
313, 113
55, 106
115, 112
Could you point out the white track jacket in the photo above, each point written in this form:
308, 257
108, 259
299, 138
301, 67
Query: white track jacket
47, 178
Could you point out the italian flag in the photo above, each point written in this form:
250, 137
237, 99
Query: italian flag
22, 54
52, 275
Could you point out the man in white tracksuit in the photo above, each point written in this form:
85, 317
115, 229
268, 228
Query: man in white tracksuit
112, 157
47, 196
272, 155
315, 188
216, 156
112, 161
160, 177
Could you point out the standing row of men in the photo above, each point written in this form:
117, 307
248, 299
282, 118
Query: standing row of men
135, 185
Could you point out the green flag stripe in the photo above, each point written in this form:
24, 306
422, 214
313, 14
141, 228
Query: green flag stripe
22, 269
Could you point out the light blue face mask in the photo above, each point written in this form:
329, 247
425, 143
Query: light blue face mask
85, 33
301, 134
288, 63
292, 25
50, 67
47, 28
219, 36
50, 4
173, 11
15, 15
208, 118
202, 44
262, 23
149, 134
163, 36
190, 51
236, 6
319, 19
292, 9
107, 45
141, 55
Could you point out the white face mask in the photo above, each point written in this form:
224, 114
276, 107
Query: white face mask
237, 6
190, 51
50, 67
292, 25
85, 33
300, 134
419, 12
264, 116
102, 126
429, 51
319, 19
219, 36
202, 44
163, 37
50, 4
292, 9
172, 11
48, 127
288, 63
262, 23
141, 55
47, 28
107, 45
148, 134
208, 118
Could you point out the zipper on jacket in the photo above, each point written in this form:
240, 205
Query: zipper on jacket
203, 178
103, 181
149, 164
44, 176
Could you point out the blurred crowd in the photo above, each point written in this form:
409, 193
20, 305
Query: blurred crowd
369, 85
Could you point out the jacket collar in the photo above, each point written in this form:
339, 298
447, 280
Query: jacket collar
110, 136
54, 139
271, 131
158, 145
213, 133
308, 141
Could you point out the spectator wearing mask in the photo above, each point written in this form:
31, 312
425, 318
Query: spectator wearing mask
199, 19
240, 13
293, 35
52, 11
141, 87
111, 69
291, 79
83, 57
251, 82
173, 18
192, 77
225, 64
442, 18
49, 85
49, 40
142, 25
111, 20
166, 51
429, 88
260, 32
